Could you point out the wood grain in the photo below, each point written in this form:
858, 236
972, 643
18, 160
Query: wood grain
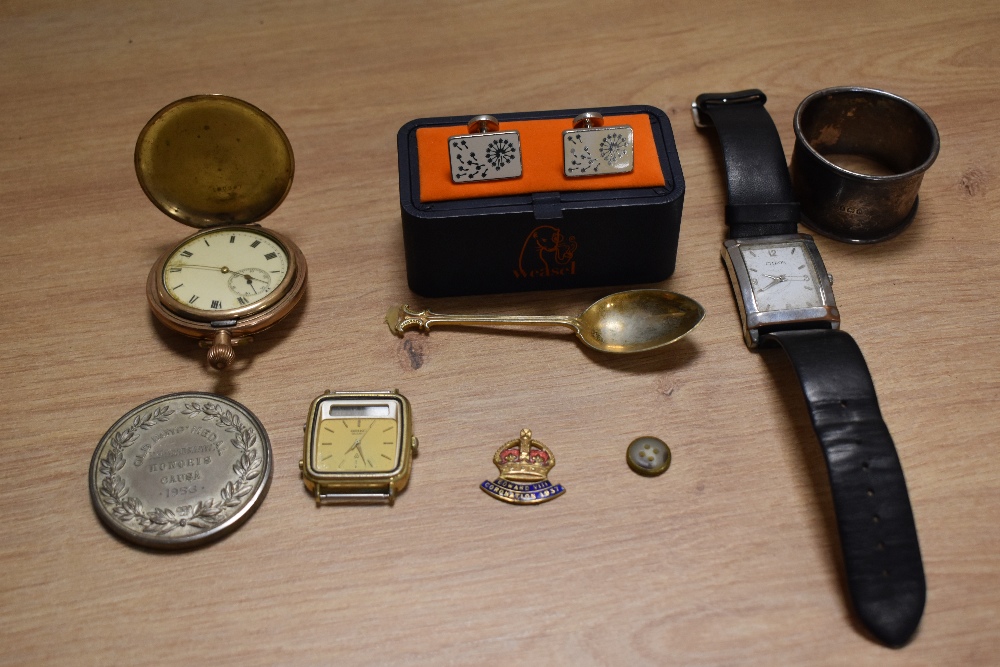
729, 558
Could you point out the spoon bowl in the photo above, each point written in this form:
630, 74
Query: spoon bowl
638, 320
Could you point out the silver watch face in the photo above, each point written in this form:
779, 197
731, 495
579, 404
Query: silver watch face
782, 277
780, 281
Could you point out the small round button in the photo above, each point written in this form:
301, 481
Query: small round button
648, 456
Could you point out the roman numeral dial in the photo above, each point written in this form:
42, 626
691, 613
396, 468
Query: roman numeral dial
225, 270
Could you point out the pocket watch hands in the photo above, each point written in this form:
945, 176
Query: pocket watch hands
248, 277
180, 265
220, 269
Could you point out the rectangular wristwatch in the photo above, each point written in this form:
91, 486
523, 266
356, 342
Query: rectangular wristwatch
778, 281
786, 300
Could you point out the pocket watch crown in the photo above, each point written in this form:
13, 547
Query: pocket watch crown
221, 354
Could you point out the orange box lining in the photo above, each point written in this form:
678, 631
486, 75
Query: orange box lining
541, 160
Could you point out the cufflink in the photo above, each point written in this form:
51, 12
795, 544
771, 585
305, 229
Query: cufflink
485, 154
590, 149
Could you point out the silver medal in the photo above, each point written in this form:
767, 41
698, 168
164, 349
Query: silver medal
180, 470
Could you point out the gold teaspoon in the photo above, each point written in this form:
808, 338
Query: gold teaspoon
632, 321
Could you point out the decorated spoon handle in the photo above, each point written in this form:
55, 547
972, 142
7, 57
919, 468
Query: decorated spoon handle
401, 318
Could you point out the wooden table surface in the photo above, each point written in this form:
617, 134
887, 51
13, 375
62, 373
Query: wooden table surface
728, 558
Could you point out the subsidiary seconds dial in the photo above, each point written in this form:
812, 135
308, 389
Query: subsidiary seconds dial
224, 270
782, 277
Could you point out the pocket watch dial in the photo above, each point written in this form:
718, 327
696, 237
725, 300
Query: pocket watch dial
355, 444
224, 270
782, 277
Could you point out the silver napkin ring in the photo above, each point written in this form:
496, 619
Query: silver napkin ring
860, 155
590, 149
486, 154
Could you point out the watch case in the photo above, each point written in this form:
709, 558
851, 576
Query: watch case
541, 240
216, 163
359, 487
756, 322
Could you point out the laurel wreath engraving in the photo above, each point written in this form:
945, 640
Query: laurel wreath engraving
205, 514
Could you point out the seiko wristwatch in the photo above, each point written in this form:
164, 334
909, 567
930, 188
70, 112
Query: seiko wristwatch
786, 299
358, 447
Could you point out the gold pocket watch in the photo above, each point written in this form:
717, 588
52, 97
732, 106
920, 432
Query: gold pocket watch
220, 164
358, 447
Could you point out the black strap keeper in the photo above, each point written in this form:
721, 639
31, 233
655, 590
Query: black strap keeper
761, 202
751, 214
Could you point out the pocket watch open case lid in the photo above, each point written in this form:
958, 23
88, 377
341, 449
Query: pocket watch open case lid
220, 164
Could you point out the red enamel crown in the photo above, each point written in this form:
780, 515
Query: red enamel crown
524, 459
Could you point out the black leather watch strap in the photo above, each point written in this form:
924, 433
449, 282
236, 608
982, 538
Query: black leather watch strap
877, 533
761, 201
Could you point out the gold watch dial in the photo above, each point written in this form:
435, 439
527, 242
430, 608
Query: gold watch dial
225, 270
353, 444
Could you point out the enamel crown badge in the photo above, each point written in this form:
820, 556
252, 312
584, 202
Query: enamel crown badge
524, 466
